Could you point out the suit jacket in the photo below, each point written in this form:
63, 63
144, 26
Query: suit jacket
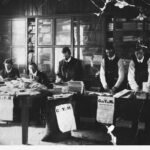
41, 78
13, 74
70, 70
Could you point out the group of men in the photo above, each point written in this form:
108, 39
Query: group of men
112, 72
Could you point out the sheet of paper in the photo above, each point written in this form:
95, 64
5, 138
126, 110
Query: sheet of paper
6, 108
105, 109
65, 117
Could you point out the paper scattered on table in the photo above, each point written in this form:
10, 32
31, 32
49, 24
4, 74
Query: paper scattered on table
65, 117
105, 109
62, 96
6, 108
76, 86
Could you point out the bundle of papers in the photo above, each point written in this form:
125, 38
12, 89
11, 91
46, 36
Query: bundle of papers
75, 86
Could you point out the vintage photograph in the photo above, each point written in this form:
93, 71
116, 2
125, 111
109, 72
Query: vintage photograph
75, 72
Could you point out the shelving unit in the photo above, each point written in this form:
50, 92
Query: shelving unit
31, 39
123, 33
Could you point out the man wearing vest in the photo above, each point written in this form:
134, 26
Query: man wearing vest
112, 71
139, 69
139, 72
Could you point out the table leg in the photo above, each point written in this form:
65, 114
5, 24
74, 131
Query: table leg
25, 120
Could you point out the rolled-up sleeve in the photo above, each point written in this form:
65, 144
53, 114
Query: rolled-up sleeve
102, 74
131, 76
121, 73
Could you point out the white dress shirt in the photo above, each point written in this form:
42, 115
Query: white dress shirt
131, 74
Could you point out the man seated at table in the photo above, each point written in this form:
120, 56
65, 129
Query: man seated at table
38, 102
38, 76
112, 72
9, 72
139, 69
70, 68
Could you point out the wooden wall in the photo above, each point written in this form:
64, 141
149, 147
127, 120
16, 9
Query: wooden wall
44, 7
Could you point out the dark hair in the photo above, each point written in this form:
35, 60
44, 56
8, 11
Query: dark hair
109, 47
33, 64
8, 61
66, 50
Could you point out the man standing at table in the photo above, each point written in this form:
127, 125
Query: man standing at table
112, 71
139, 69
9, 72
139, 72
69, 68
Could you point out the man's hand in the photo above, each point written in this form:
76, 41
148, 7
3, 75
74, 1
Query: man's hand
113, 90
106, 88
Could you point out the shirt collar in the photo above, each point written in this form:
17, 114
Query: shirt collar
141, 60
8, 71
68, 60
112, 58
35, 74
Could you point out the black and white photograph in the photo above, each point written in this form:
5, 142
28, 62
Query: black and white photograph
74, 73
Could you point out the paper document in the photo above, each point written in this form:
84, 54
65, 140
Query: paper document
6, 108
105, 109
65, 117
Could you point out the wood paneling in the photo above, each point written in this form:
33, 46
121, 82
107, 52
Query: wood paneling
44, 7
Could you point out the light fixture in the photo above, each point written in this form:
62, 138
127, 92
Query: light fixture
121, 4
141, 16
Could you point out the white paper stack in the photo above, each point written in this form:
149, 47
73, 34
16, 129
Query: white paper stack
75, 86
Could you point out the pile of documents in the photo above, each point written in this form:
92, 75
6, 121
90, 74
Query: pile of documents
75, 86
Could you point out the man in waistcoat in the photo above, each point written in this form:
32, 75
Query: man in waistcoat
112, 71
139, 72
139, 69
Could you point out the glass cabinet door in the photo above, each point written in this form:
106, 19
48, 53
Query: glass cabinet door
63, 31
45, 60
44, 31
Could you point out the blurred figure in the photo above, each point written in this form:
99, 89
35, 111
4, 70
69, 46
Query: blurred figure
69, 68
139, 69
112, 72
38, 76
9, 72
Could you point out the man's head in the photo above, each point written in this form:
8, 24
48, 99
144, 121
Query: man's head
32, 68
109, 51
66, 53
139, 52
8, 64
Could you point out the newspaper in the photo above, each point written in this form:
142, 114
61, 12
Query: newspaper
105, 109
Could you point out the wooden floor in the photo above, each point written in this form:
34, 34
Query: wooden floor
10, 134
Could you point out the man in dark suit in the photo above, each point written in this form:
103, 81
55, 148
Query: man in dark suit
70, 68
9, 72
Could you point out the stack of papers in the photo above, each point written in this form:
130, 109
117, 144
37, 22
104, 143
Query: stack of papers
75, 86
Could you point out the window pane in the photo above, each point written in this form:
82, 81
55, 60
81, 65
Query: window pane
5, 32
63, 31
75, 28
90, 32
90, 55
4, 54
18, 32
45, 32
58, 57
45, 60
19, 57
